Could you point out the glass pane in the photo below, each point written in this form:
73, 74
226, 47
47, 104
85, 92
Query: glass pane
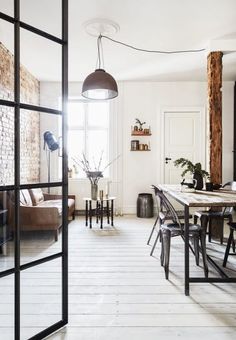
6, 145
75, 114
7, 307
40, 147
7, 205
6, 60
41, 292
40, 222
98, 149
38, 14
40, 71
7, 7
98, 114
75, 152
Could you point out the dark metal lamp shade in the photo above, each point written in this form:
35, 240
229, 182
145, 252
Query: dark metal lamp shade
50, 140
99, 85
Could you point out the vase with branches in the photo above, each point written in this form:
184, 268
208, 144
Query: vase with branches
194, 169
93, 173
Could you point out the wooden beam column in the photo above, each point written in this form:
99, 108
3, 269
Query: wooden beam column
214, 73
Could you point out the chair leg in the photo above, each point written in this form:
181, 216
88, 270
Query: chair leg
196, 248
228, 247
233, 245
162, 251
166, 244
155, 243
153, 228
204, 255
56, 233
209, 230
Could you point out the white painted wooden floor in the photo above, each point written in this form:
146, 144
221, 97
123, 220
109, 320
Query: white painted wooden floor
117, 291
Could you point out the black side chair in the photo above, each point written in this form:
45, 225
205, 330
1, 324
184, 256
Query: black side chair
163, 214
230, 242
176, 228
207, 216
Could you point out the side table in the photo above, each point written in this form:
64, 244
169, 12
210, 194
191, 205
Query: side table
103, 208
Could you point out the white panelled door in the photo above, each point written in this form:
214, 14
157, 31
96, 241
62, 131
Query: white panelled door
184, 136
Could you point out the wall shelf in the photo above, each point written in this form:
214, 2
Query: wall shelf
140, 134
141, 150
138, 131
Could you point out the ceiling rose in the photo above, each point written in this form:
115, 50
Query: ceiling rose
98, 26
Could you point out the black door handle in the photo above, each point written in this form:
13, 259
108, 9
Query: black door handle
167, 159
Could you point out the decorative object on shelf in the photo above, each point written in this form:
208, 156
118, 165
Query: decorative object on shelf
140, 124
93, 175
134, 145
195, 169
138, 130
141, 147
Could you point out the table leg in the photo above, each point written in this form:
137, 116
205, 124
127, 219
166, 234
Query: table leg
90, 214
112, 212
186, 248
86, 213
108, 212
97, 211
101, 213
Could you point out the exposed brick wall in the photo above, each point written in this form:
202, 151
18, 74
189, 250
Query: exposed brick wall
29, 122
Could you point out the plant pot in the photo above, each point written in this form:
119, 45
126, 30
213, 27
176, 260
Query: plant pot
94, 192
199, 179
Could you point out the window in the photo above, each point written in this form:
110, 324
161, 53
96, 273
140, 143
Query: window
88, 133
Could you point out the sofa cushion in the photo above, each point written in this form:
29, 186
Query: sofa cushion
25, 198
52, 204
36, 196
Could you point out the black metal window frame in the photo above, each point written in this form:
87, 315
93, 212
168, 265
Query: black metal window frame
17, 105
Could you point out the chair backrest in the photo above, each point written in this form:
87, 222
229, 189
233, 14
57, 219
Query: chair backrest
230, 185
169, 209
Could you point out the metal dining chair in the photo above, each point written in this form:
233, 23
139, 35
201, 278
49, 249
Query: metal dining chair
162, 215
230, 242
176, 228
207, 216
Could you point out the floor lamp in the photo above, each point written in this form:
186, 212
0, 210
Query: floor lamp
50, 145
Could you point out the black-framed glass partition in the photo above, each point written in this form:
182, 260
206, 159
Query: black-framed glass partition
33, 172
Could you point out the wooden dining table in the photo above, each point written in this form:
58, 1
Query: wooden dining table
196, 199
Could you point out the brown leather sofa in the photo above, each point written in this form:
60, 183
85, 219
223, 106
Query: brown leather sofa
40, 211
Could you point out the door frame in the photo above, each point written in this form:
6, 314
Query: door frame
17, 105
183, 109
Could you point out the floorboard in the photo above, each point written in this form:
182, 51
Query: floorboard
116, 290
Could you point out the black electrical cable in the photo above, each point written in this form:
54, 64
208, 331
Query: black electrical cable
150, 51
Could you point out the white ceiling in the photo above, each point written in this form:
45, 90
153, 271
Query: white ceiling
149, 24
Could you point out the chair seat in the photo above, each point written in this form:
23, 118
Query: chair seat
232, 225
173, 227
209, 213
180, 214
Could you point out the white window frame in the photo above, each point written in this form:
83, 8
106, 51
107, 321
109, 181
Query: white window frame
86, 127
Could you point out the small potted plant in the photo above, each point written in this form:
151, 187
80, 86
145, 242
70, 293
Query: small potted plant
194, 169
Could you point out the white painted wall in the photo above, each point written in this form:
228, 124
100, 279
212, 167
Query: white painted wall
136, 171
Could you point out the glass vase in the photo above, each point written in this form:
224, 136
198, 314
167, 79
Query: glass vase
94, 191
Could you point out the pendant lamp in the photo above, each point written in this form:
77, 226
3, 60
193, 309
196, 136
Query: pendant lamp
99, 85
